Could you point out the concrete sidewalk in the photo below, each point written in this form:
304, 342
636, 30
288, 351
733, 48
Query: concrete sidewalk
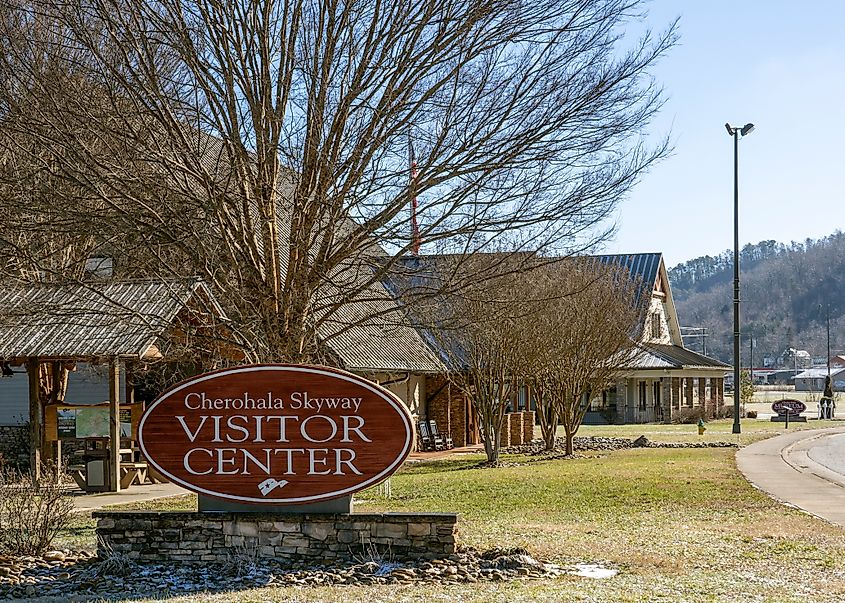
92, 502
782, 467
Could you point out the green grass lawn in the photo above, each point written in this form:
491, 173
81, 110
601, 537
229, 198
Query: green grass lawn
680, 524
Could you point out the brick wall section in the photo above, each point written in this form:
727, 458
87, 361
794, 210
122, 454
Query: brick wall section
439, 408
516, 432
194, 537
459, 420
449, 409
527, 426
676, 393
505, 433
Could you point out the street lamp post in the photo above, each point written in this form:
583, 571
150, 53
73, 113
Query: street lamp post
828, 335
828, 339
736, 133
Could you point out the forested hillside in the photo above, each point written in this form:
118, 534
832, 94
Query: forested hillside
783, 287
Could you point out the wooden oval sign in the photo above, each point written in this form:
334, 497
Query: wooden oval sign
789, 406
276, 434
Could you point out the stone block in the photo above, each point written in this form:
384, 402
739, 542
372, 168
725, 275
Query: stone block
105, 524
348, 536
246, 528
269, 538
317, 531
419, 529
390, 530
284, 550
362, 525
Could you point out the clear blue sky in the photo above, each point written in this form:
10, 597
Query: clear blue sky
777, 64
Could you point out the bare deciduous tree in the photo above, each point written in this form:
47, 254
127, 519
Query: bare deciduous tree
263, 145
585, 331
481, 332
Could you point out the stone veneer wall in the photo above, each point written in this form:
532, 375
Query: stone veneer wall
195, 537
14, 444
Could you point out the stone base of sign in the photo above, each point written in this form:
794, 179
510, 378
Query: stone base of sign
210, 504
197, 537
782, 419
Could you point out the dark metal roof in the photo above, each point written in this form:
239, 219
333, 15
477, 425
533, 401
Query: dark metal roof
93, 319
644, 267
662, 356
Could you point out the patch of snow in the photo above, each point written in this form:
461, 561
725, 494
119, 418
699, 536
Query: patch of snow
590, 570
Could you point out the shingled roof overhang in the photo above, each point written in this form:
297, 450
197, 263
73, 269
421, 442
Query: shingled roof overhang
91, 320
653, 356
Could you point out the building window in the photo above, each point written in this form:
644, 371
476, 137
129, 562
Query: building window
522, 400
656, 394
606, 402
656, 326
642, 395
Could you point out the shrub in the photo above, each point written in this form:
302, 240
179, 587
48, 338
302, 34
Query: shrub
32, 511
725, 411
688, 415
113, 563
751, 414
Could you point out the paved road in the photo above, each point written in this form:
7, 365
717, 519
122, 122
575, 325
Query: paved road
805, 469
829, 452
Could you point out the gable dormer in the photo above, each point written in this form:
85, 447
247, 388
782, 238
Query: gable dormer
661, 318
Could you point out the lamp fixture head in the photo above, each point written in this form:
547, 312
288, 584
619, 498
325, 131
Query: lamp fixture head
730, 129
747, 129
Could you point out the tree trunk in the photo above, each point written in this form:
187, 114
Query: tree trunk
549, 427
570, 436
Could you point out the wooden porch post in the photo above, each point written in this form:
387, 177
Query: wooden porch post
36, 417
114, 425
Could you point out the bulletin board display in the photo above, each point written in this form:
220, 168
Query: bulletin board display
68, 422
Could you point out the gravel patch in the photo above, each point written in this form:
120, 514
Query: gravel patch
587, 444
68, 575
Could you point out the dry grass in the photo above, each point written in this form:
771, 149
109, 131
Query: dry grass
680, 524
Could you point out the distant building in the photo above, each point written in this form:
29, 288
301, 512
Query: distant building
792, 358
812, 380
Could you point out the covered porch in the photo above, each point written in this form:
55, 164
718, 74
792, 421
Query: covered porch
661, 383
48, 329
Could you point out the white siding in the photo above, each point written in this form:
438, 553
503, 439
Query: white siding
86, 385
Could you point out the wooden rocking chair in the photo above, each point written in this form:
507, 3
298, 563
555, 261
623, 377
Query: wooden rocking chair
425, 441
444, 440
